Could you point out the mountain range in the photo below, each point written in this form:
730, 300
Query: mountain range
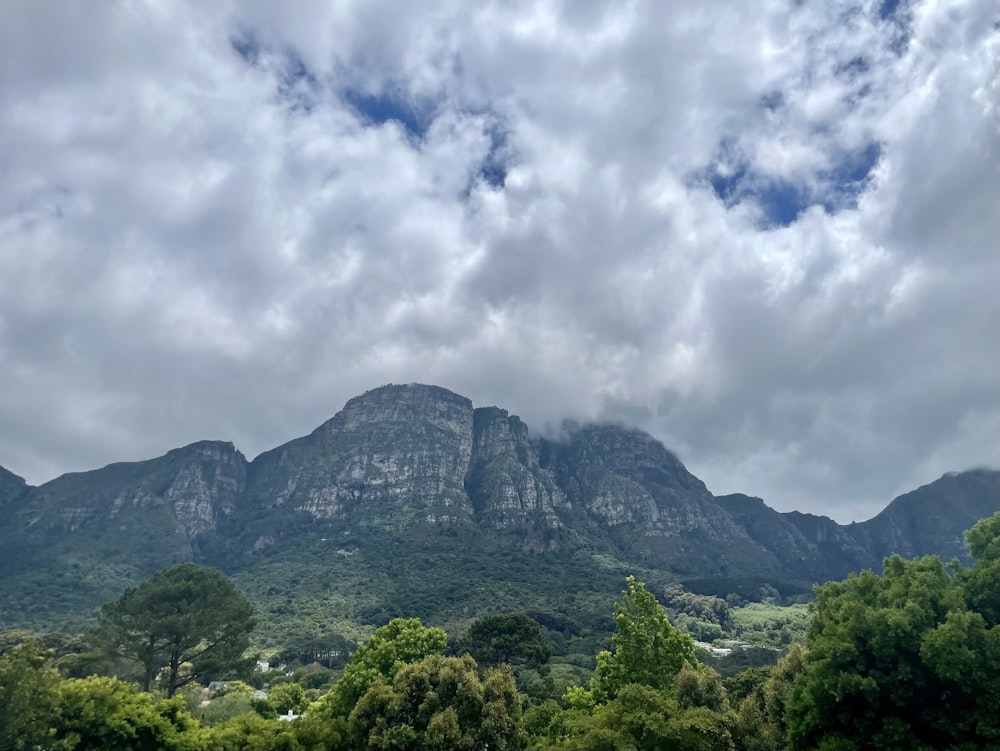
412, 501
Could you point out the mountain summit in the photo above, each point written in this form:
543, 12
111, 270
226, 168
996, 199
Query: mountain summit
419, 470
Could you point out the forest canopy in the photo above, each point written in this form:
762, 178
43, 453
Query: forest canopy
906, 659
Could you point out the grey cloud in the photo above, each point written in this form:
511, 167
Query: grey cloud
198, 256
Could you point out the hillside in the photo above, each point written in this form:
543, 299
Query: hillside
412, 501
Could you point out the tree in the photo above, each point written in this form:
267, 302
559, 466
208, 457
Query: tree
906, 660
251, 732
648, 650
27, 695
760, 719
440, 703
399, 642
511, 638
187, 616
288, 697
105, 714
644, 719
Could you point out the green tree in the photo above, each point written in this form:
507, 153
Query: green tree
643, 719
251, 732
440, 703
28, 685
964, 651
700, 687
760, 723
648, 650
105, 714
288, 697
188, 616
906, 660
511, 638
398, 643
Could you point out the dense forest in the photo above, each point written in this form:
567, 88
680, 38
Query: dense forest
908, 659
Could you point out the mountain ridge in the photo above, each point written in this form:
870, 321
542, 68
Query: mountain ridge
420, 470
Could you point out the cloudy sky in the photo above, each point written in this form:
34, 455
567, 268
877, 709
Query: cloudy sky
766, 232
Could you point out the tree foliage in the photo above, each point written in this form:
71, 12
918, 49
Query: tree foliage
27, 695
648, 650
440, 703
906, 660
763, 696
511, 638
399, 642
644, 719
105, 714
188, 616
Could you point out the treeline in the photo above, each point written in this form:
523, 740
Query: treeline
909, 659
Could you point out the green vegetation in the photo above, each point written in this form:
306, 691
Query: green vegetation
909, 659
187, 620
510, 638
769, 625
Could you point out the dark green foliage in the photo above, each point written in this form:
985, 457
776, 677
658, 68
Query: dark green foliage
187, 616
27, 695
705, 608
288, 697
700, 687
511, 638
331, 650
761, 699
740, 660
905, 660
440, 703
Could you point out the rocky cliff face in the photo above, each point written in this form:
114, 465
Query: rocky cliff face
188, 490
509, 490
418, 466
393, 457
631, 485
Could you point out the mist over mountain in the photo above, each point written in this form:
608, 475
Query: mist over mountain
412, 499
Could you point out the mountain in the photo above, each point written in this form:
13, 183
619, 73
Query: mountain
412, 501
11, 486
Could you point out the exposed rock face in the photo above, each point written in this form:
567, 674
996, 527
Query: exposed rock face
508, 489
394, 456
930, 520
189, 488
418, 463
639, 492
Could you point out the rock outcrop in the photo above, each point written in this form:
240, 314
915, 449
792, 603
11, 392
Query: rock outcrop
392, 457
418, 468
509, 490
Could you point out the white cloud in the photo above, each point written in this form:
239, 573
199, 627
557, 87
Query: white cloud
205, 247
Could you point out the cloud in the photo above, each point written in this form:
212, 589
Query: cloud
764, 233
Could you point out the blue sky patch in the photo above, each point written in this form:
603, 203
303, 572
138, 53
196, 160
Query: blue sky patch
888, 8
849, 178
782, 201
392, 104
